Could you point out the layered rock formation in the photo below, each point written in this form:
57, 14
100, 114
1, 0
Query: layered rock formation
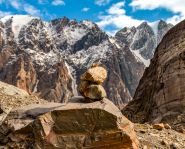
160, 94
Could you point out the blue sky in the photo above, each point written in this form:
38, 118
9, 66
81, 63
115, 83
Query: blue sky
110, 15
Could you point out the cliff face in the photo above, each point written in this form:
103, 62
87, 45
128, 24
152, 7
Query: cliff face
160, 94
29, 61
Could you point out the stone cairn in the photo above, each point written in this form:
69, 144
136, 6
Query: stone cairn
91, 83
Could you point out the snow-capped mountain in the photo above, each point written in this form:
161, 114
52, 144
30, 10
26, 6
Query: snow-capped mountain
143, 40
47, 58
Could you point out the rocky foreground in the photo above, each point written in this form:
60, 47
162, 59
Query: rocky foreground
77, 125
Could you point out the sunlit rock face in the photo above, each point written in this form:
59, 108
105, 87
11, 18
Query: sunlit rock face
68, 126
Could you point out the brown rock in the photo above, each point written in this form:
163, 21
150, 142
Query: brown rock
95, 74
75, 125
95, 92
174, 146
83, 87
47, 84
158, 126
163, 142
167, 126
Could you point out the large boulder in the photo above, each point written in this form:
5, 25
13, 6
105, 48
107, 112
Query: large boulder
160, 96
74, 125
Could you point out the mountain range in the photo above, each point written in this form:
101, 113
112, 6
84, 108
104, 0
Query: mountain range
47, 58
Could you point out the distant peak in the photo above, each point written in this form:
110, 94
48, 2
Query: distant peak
162, 22
88, 23
144, 24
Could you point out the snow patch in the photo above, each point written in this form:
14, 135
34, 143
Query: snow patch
6, 18
71, 73
139, 57
113, 41
89, 24
154, 26
74, 34
44, 59
88, 57
18, 21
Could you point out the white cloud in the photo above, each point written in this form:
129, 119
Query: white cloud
42, 1
15, 4
175, 19
3, 14
175, 6
26, 7
116, 16
117, 8
30, 9
119, 21
58, 2
102, 2
85, 9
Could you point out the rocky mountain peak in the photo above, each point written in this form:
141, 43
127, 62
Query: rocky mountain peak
143, 40
145, 27
162, 28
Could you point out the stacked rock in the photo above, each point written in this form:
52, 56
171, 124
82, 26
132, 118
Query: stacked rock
91, 83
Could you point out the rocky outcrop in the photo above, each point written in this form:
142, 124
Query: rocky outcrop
160, 94
11, 96
67, 126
